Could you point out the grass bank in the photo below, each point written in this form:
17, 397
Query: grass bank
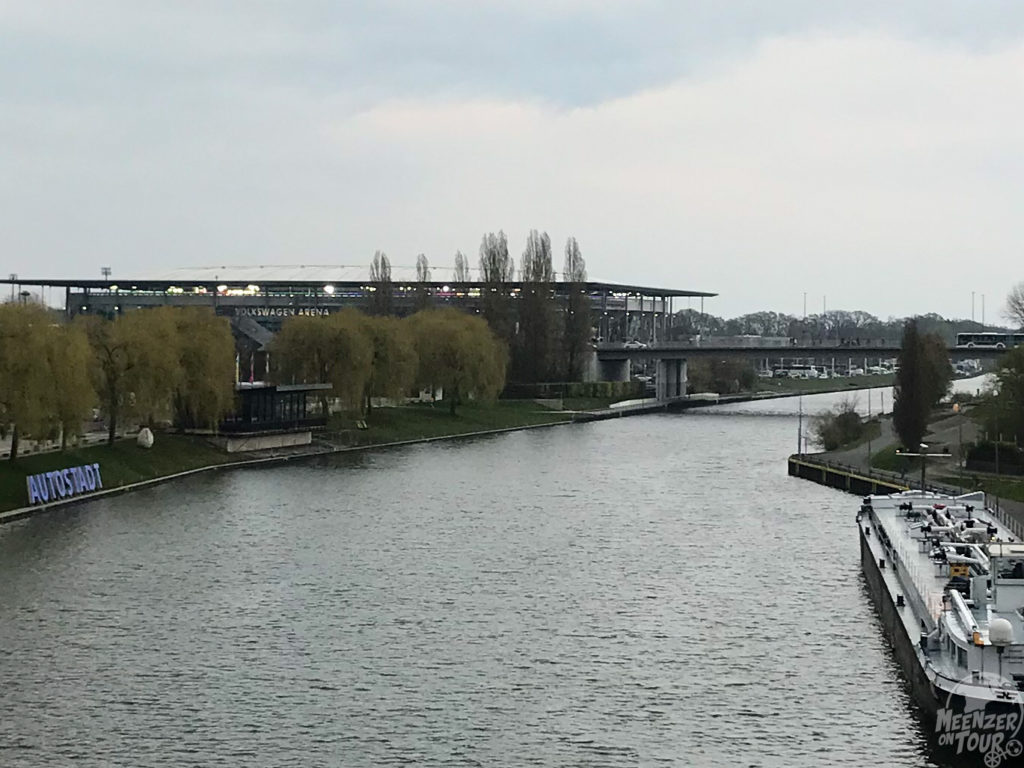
423, 420
120, 464
124, 462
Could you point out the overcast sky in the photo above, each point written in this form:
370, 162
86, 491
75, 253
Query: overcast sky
867, 152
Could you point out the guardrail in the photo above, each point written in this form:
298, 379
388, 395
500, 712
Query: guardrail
992, 502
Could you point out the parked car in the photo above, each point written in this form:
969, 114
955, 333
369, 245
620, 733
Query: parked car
635, 344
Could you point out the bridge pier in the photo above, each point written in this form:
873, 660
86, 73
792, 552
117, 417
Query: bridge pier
613, 370
671, 378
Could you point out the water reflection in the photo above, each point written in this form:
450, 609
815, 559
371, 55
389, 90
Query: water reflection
637, 592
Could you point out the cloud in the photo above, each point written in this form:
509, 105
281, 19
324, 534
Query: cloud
871, 169
758, 155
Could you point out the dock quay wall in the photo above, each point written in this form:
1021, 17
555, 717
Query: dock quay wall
842, 477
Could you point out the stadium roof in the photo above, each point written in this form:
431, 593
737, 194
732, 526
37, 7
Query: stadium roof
296, 275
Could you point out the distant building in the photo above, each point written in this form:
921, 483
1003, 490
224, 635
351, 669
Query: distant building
258, 299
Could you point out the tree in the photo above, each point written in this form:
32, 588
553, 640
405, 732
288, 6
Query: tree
461, 268
459, 353
578, 320
1015, 305
156, 348
160, 363
332, 350
1002, 411
394, 364
116, 356
205, 388
535, 340
496, 271
938, 372
722, 375
423, 278
921, 382
839, 427
381, 287
25, 387
71, 391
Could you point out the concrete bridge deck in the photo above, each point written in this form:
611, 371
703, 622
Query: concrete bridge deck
676, 350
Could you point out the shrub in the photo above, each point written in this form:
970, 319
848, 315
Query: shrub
838, 427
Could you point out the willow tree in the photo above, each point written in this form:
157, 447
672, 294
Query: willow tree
326, 350
205, 387
460, 353
393, 369
578, 320
25, 404
71, 389
156, 348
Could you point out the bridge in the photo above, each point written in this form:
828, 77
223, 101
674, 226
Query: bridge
708, 349
611, 360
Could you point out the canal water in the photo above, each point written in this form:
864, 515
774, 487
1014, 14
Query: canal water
644, 591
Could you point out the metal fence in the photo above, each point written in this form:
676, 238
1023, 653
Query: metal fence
992, 502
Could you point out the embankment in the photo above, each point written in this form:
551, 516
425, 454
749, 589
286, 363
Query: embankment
843, 477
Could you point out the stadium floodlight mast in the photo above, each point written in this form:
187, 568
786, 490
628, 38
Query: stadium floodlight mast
923, 454
105, 271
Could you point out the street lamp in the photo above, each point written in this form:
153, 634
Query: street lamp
960, 449
923, 454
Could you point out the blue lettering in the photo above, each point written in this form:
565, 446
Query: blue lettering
90, 477
43, 488
76, 478
68, 483
33, 492
58, 481
99, 480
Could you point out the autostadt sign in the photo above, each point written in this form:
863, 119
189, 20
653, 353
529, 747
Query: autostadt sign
63, 483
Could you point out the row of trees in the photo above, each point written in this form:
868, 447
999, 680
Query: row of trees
547, 338
378, 356
167, 363
835, 325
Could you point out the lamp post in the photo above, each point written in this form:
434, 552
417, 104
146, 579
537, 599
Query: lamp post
923, 454
800, 428
960, 449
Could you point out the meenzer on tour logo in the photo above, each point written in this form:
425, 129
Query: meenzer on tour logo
994, 736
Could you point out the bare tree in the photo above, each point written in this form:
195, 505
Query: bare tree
461, 268
536, 312
423, 278
578, 320
1015, 305
380, 278
422, 269
496, 266
497, 270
